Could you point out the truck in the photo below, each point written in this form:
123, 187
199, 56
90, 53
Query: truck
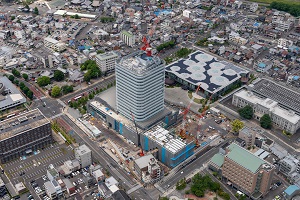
113, 151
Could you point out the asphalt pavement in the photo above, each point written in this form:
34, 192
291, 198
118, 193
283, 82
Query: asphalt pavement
188, 169
51, 108
102, 157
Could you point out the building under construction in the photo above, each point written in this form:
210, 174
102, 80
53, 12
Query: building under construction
172, 150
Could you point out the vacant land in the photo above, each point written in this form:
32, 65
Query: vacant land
282, 1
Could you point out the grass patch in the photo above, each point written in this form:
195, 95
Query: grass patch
297, 2
286, 133
198, 101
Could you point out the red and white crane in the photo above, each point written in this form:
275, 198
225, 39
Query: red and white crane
185, 112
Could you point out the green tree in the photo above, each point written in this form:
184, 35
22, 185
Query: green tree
87, 76
55, 92
67, 89
246, 112
16, 73
100, 51
76, 16
22, 85
183, 52
166, 45
29, 94
13, 18
16, 82
168, 60
181, 184
25, 76
11, 78
59, 75
237, 125
36, 11
25, 90
266, 121
43, 81
91, 96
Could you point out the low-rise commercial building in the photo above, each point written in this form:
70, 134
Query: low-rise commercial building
10, 96
148, 169
22, 134
54, 44
248, 135
288, 165
84, 155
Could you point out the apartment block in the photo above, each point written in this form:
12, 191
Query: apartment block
128, 38
53, 44
22, 134
288, 165
248, 135
84, 155
107, 61
237, 39
244, 171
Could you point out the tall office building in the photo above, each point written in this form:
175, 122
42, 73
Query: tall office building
140, 85
22, 134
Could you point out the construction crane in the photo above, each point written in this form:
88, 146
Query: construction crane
136, 129
199, 124
146, 47
185, 112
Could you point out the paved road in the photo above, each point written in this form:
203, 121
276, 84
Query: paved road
279, 138
101, 84
189, 169
105, 160
49, 107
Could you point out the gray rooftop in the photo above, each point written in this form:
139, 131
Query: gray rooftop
286, 98
14, 98
68, 183
49, 187
139, 63
22, 122
143, 161
247, 131
107, 55
82, 150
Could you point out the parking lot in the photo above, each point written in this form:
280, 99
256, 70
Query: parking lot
35, 165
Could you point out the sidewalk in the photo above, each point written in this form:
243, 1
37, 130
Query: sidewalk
265, 132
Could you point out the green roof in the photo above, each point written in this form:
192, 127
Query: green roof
244, 158
127, 33
218, 159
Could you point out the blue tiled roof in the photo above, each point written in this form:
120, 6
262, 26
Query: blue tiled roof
291, 189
